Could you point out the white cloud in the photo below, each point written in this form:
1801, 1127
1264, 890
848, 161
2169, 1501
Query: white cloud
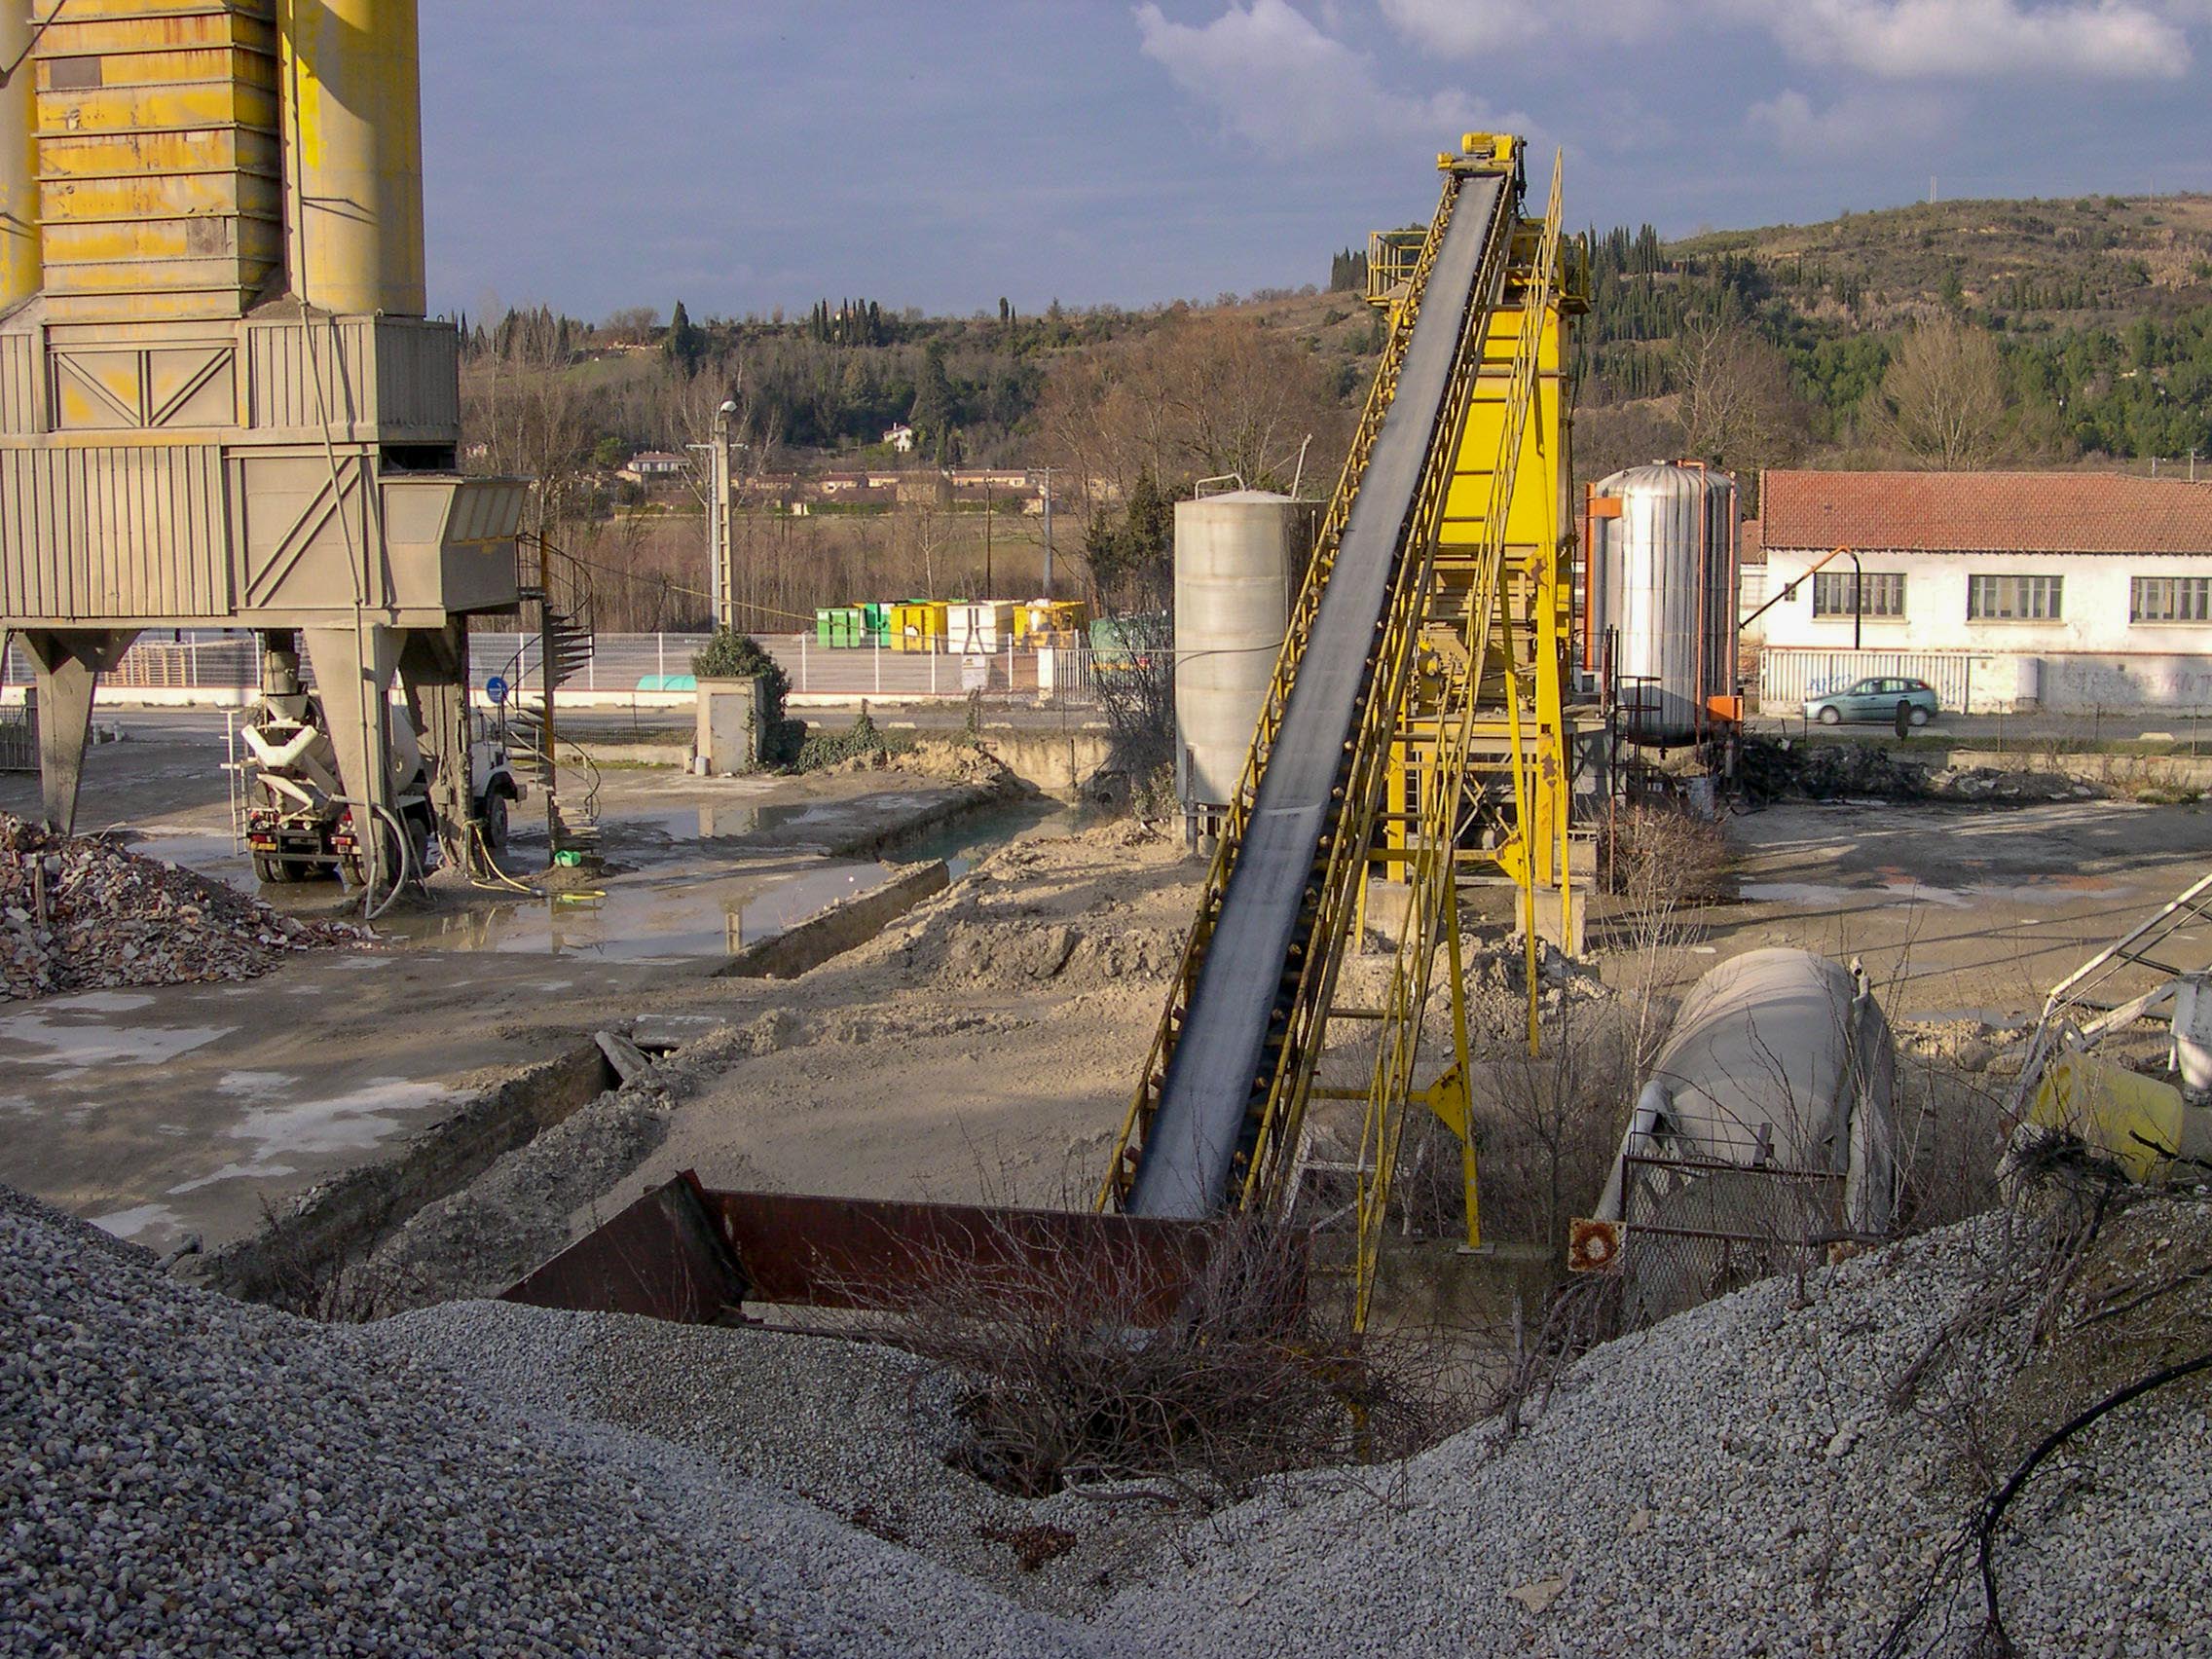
1477, 28
1282, 83
1853, 125
1891, 39
1976, 39
1465, 28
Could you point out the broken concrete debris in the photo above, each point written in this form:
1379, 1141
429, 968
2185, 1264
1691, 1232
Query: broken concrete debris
84, 914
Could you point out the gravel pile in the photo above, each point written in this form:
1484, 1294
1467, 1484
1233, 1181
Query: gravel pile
81, 913
180, 1473
1731, 1482
184, 1474
858, 1428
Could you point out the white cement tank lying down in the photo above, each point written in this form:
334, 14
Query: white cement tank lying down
1765, 1130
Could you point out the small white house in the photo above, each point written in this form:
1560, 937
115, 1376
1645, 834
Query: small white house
900, 438
649, 466
2004, 590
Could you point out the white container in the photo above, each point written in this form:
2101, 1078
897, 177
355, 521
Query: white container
980, 628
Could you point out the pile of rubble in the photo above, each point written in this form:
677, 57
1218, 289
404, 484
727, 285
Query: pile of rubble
1785, 770
82, 913
1990, 783
1781, 769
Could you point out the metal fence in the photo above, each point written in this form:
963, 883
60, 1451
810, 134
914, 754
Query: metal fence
1694, 1228
19, 738
227, 660
1787, 677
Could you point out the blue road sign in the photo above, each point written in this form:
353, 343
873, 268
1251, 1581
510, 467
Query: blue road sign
495, 688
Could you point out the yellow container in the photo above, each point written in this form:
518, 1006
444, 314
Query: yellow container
917, 625
1045, 621
158, 158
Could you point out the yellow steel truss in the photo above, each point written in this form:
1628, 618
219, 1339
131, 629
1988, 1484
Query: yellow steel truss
1465, 721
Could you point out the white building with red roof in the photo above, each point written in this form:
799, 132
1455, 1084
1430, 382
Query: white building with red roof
2062, 590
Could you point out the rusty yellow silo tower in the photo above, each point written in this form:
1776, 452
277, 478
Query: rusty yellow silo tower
220, 401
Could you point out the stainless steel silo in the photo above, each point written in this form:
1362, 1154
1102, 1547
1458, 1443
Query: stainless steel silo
1662, 586
1238, 559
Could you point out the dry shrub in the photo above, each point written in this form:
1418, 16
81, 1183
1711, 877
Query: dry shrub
1062, 1382
1952, 1131
1661, 858
1546, 1128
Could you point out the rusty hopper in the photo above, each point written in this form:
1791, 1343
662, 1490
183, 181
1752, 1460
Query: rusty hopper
691, 1254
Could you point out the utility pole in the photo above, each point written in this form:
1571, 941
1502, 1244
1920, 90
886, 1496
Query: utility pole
987, 539
726, 577
1048, 533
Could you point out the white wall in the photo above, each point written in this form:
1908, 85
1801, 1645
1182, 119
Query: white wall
2092, 657
2094, 605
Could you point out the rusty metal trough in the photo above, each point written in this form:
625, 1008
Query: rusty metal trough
691, 1254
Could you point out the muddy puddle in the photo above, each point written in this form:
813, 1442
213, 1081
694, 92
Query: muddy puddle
687, 894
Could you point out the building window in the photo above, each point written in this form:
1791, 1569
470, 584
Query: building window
2014, 599
2170, 599
1881, 593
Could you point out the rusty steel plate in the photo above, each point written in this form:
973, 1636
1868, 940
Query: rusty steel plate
662, 1257
694, 1254
1593, 1246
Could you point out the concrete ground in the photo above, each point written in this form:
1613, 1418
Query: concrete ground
1963, 911
968, 1059
168, 1110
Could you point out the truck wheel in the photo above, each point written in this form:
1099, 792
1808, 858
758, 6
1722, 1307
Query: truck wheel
269, 867
493, 821
353, 867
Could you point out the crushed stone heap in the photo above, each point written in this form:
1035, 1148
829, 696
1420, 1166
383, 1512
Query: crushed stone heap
112, 917
183, 1474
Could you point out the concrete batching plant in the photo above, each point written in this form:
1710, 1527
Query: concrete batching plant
220, 402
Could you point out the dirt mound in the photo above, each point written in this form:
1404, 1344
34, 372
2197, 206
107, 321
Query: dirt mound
1058, 911
82, 913
1009, 955
930, 757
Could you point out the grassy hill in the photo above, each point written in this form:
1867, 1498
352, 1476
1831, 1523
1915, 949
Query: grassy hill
2100, 310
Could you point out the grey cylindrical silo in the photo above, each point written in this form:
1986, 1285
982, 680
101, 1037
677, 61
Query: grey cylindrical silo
1238, 559
1662, 577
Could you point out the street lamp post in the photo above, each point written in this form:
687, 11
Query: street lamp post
1047, 505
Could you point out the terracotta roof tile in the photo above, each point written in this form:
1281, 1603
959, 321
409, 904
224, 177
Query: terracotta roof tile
1986, 512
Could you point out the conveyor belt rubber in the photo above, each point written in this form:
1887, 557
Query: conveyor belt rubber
1189, 1149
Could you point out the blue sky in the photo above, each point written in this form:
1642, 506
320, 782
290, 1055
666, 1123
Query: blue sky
743, 155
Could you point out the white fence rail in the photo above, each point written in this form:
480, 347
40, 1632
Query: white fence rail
225, 661
1786, 678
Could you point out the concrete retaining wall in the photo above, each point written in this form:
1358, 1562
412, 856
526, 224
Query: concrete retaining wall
1057, 763
338, 1221
832, 932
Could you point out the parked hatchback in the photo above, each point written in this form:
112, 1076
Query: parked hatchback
1875, 699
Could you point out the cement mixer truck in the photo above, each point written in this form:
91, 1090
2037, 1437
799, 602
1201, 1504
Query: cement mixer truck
298, 825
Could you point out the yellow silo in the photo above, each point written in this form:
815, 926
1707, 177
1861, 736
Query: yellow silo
19, 179
352, 145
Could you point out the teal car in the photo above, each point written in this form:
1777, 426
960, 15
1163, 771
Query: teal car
1876, 698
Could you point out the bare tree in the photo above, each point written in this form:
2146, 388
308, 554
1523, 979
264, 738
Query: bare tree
633, 325
1945, 400
1736, 406
1193, 398
524, 408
